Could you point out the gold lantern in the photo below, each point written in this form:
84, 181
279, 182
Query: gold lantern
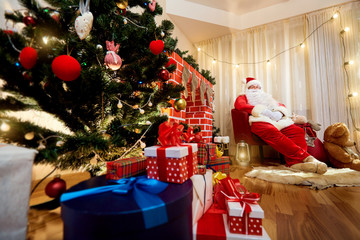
242, 156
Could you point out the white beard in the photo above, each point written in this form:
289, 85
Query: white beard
258, 96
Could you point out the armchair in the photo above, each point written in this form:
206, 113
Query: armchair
241, 128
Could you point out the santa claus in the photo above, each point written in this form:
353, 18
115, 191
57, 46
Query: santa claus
271, 121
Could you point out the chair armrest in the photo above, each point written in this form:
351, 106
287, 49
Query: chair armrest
242, 130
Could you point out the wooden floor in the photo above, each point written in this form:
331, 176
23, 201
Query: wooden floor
291, 212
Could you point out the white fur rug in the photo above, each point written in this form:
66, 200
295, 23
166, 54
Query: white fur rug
281, 174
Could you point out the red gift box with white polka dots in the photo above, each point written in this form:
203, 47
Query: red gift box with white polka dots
174, 164
244, 223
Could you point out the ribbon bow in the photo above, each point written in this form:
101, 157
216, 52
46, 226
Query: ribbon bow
170, 133
189, 135
144, 192
231, 190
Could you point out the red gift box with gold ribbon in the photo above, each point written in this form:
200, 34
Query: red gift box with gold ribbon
172, 161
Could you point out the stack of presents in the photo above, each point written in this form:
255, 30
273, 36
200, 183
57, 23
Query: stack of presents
186, 193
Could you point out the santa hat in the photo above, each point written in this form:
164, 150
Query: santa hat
250, 81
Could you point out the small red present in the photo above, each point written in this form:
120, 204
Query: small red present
126, 167
173, 164
206, 153
220, 165
213, 226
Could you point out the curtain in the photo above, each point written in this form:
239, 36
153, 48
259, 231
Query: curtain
311, 81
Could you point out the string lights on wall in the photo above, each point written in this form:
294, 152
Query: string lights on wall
347, 63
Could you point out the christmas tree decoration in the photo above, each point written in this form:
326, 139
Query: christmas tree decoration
162, 34
29, 136
83, 23
122, 12
29, 21
164, 75
26, 75
55, 187
98, 99
112, 60
28, 57
122, 4
66, 68
142, 145
156, 47
119, 105
56, 16
4, 127
171, 62
179, 104
152, 5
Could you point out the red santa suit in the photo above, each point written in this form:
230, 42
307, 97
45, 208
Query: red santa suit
279, 131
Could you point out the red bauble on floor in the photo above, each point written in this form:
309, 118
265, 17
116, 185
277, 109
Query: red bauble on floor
66, 68
55, 187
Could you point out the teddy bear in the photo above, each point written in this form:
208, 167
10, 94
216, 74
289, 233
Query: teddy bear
337, 143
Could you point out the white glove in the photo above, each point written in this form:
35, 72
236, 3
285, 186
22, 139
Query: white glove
276, 116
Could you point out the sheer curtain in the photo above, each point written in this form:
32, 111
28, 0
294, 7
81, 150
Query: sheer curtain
310, 81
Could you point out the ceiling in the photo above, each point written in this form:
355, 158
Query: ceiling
201, 20
238, 6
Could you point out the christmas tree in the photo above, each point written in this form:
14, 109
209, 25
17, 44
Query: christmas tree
100, 67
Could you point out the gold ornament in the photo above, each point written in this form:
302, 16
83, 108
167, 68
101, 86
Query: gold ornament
29, 136
180, 104
122, 4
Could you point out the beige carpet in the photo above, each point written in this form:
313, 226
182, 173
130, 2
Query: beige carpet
281, 174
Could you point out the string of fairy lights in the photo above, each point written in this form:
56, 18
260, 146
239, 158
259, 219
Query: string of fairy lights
346, 63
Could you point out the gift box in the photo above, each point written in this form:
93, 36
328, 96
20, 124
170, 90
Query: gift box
220, 165
173, 164
202, 194
213, 226
223, 144
240, 221
222, 139
206, 153
15, 178
126, 167
129, 208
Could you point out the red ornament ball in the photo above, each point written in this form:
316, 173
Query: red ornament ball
164, 75
66, 68
170, 62
28, 20
156, 47
55, 187
28, 57
122, 12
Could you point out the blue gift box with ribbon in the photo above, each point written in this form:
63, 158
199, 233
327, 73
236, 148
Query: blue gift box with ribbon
129, 208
